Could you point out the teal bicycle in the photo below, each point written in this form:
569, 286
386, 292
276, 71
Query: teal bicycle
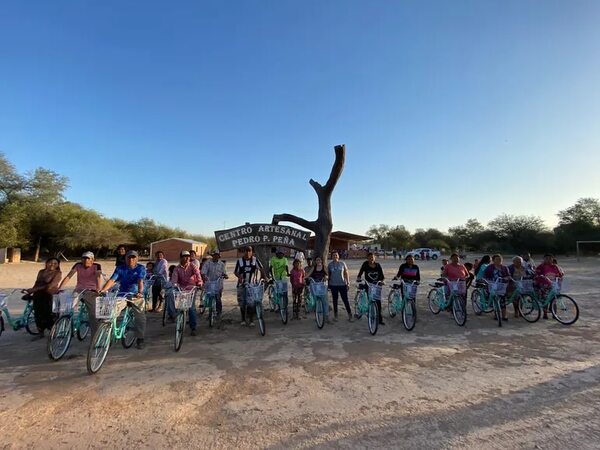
254, 295
404, 304
563, 308
316, 300
279, 299
365, 302
438, 300
490, 296
183, 302
528, 308
212, 290
113, 326
25, 320
68, 324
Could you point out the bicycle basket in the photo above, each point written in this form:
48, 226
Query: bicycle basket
62, 303
498, 287
375, 291
183, 300
106, 307
281, 287
254, 292
411, 290
525, 286
212, 287
318, 289
458, 287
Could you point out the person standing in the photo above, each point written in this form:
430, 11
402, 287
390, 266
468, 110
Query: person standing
161, 275
339, 280
121, 260
186, 276
46, 285
214, 270
278, 266
297, 277
131, 279
89, 279
373, 274
247, 270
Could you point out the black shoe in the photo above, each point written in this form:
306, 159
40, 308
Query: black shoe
382, 323
505, 319
139, 344
193, 333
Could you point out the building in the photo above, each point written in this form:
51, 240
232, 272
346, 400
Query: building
343, 242
172, 247
10, 255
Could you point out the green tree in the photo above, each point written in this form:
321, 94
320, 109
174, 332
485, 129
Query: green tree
520, 233
467, 235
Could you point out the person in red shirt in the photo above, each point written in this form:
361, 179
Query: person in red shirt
545, 273
454, 271
297, 276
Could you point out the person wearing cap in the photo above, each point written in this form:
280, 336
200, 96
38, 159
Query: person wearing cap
186, 276
214, 270
131, 278
246, 270
89, 279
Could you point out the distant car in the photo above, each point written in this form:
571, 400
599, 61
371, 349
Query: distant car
416, 253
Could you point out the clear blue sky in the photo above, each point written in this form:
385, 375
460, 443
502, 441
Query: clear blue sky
207, 114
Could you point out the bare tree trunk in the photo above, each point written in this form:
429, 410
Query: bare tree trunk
36, 257
323, 225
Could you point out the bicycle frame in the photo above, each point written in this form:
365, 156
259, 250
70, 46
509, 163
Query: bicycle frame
17, 323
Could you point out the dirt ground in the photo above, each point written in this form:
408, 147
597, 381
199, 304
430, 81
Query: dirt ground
439, 386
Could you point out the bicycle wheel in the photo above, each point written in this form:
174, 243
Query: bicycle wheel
564, 309
179, 329
129, 334
458, 311
261, 320
497, 310
391, 302
271, 297
319, 315
1, 323
84, 323
30, 325
60, 338
357, 299
476, 302
283, 309
373, 321
409, 314
212, 311
98, 348
529, 308
201, 306
164, 315
434, 300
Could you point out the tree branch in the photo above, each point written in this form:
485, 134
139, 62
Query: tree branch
316, 186
336, 170
294, 219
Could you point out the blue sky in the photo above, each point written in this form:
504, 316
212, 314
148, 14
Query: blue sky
209, 114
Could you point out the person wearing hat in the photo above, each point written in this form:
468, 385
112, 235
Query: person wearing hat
89, 279
214, 270
246, 270
186, 276
131, 278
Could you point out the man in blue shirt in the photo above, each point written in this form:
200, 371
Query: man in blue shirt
130, 277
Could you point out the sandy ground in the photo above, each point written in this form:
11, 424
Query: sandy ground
439, 386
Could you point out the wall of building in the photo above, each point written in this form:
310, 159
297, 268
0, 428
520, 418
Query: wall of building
172, 248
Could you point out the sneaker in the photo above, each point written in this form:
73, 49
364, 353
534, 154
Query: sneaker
193, 333
243, 323
251, 324
139, 344
381, 322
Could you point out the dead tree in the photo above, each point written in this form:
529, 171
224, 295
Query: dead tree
323, 225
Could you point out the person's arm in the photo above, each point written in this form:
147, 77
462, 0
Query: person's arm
66, 279
263, 274
197, 276
380, 272
54, 282
418, 277
287, 270
399, 274
310, 271
346, 274
237, 273
98, 276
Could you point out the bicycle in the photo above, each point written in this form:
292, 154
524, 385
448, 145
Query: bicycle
528, 308
497, 290
279, 298
562, 307
110, 328
254, 294
365, 303
212, 289
184, 300
405, 304
25, 320
147, 292
438, 301
315, 300
68, 324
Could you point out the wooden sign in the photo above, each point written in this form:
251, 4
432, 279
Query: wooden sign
262, 234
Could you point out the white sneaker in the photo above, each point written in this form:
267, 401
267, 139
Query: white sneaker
251, 324
243, 323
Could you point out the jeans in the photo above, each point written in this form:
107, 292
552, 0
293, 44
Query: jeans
343, 291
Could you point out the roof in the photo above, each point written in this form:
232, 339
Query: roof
189, 241
348, 236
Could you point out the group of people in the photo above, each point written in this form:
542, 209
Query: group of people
191, 273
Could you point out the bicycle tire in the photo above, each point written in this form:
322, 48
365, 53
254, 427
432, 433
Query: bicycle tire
373, 319
476, 302
283, 309
559, 307
433, 300
98, 349
201, 306
357, 313
179, 329
164, 313
261, 320
497, 310
319, 314
84, 323
271, 296
30, 325
60, 338
1, 323
529, 308
390, 305
459, 312
129, 334
409, 314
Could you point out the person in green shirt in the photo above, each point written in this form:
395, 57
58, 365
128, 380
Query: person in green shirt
278, 266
